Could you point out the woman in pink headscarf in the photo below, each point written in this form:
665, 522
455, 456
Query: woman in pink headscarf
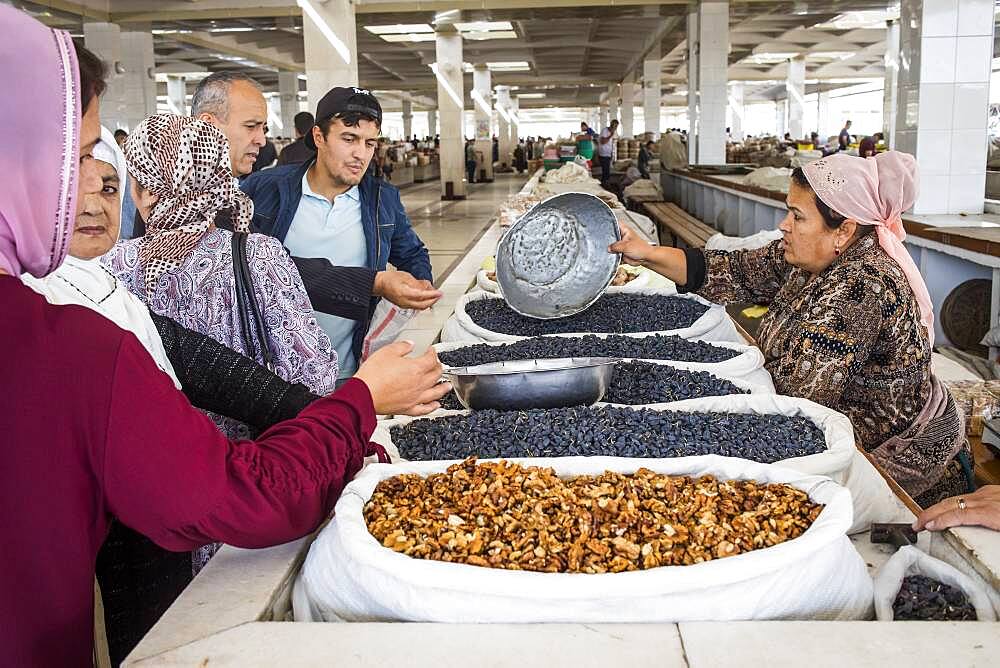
91, 428
850, 323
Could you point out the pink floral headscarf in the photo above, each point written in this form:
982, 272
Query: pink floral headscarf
876, 191
40, 136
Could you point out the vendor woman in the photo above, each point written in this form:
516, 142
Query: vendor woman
850, 323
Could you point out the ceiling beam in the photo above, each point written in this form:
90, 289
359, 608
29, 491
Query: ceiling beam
228, 45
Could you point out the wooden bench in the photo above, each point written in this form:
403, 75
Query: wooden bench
676, 224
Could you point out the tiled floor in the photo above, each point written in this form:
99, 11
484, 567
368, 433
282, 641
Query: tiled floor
449, 229
458, 234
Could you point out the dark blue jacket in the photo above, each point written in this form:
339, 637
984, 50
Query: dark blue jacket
276, 193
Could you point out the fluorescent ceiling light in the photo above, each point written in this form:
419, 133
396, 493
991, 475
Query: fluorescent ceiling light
302, 77
768, 58
831, 55
230, 29
399, 28
533, 96
511, 66
447, 87
484, 26
499, 34
334, 41
870, 19
411, 37
170, 32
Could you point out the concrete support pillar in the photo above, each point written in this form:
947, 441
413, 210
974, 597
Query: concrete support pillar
713, 68
602, 117
651, 93
736, 111
891, 88
407, 118
823, 115
614, 94
432, 122
288, 100
331, 47
946, 53
780, 117
628, 107
104, 39
692, 77
139, 80
503, 134
515, 131
177, 95
795, 89
483, 104
451, 109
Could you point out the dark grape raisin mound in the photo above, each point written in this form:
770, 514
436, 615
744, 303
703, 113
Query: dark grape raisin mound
609, 431
611, 314
653, 347
923, 598
637, 383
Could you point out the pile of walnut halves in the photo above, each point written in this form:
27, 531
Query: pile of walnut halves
503, 515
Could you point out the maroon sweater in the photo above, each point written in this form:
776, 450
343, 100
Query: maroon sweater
92, 429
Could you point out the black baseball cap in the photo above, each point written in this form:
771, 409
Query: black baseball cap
342, 100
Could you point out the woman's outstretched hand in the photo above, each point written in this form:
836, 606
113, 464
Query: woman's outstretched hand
634, 250
981, 508
402, 385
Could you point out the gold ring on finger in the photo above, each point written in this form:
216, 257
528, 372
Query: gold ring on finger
961, 503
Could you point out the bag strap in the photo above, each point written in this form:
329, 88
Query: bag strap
251, 319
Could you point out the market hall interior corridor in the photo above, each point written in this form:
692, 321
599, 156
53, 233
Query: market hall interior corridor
450, 228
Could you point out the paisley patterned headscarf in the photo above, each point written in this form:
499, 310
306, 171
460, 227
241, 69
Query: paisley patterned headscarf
876, 191
186, 163
40, 136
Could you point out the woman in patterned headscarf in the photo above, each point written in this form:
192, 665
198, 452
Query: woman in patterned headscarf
183, 267
850, 323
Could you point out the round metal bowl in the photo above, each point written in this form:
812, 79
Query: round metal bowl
554, 260
523, 384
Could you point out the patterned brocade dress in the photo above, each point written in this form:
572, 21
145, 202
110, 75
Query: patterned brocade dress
849, 338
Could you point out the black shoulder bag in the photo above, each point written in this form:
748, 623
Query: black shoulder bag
251, 320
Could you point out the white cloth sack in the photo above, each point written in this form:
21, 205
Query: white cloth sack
748, 365
841, 461
714, 325
349, 576
759, 240
910, 560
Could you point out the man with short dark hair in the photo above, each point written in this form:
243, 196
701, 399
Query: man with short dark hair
297, 152
331, 210
844, 138
606, 146
120, 137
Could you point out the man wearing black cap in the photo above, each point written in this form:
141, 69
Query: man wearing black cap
333, 210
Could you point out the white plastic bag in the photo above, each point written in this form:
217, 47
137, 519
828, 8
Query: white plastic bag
910, 560
349, 576
841, 461
387, 322
714, 325
748, 365
759, 240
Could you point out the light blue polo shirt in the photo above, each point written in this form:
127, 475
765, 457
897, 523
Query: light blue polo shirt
332, 231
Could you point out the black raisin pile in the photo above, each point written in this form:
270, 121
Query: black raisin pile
637, 383
653, 347
923, 598
609, 431
611, 314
